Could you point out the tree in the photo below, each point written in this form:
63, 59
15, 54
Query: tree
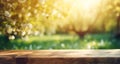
20, 18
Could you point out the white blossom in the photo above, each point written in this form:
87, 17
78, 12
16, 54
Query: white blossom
11, 37
9, 30
7, 13
23, 33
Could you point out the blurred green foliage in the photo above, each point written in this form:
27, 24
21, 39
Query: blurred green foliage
91, 41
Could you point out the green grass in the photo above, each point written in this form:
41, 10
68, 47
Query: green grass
92, 41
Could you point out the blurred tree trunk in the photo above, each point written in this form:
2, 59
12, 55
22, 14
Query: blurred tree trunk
118, 23
117, 35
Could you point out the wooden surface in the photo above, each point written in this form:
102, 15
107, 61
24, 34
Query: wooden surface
60, 57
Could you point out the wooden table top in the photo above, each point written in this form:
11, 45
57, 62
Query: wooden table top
61, 53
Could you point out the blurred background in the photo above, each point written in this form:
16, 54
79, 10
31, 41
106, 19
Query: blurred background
59, 24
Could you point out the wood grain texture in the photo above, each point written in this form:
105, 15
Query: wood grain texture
60, 57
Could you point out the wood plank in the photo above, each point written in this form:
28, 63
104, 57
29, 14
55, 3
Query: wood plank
62, 53
60, 57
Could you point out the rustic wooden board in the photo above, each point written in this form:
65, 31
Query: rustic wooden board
60, 57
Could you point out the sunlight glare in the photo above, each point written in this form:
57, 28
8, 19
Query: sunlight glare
89, 4
87, 8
